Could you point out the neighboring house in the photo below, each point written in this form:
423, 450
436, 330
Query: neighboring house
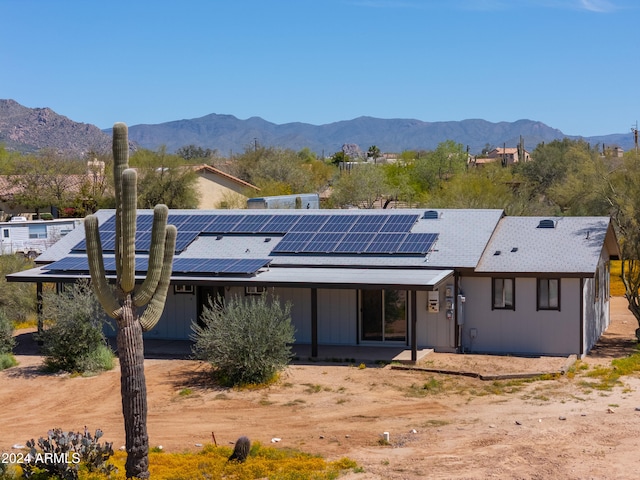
218, 189
612, 151
507, 156
12, 186
31, 238
412, 278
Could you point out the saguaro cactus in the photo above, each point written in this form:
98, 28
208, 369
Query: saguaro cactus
122, 302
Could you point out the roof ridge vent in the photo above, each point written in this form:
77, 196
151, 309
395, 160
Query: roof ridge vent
546, 224
431, 215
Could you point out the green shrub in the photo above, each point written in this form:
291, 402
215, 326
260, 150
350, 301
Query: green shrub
7, 342
73, 340
17, 299
247, 340
7, 360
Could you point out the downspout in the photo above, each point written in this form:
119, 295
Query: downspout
314, 322
456, 312
581, 350
414, 323
39, 310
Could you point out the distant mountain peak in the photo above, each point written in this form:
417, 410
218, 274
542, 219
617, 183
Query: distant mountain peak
30, 129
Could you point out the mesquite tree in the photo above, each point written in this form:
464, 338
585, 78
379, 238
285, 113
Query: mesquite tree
122, 302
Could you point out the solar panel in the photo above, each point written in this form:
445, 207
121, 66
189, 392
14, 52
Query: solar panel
69, 264
323, 242
418, 243
369, 223
197, 222
81, 265
293, 242
251, 223
109, 225
339, 223
199, 265
184, 239
247, 266
144, 223
216, 266
354, 242
385, 243
223, 223
309, 223
280, 224
177, 219
399, 223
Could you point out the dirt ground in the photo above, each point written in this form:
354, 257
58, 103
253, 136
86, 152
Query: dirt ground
440, 426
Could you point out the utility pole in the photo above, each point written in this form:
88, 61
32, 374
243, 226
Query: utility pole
634, 129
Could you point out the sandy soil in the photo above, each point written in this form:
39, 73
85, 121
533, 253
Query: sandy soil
440, 426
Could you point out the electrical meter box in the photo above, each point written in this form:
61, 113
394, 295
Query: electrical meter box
433, 302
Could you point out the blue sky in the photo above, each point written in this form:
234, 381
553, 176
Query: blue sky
571, 64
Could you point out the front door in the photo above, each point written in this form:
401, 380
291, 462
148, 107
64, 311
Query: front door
383, 316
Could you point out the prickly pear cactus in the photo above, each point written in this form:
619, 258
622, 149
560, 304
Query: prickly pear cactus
123, 302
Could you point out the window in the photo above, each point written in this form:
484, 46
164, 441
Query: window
37, 231
5, 232
504, 293
596, 286
254, 290
183, 289
548, 294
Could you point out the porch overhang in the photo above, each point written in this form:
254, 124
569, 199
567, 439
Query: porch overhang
295, 277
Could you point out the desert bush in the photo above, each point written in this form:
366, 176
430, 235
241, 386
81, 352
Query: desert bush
7, 342
73, 452
17, 299
247, 340
73, 340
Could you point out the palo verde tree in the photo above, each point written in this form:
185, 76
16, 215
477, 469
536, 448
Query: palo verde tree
123, 302
624, 197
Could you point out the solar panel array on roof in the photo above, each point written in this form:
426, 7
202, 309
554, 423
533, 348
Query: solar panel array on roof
356, 243
318, 233
209, 266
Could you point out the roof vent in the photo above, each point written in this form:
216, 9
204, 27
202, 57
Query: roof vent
514, 249
268, 239
431, 215
547, 224
497, 252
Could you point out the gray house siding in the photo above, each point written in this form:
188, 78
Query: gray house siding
180, 311
596, 311
337, 317
524, 330
434, 330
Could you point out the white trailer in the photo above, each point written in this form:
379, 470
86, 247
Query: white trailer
302, 200
32, 237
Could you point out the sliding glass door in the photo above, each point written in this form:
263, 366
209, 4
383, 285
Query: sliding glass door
383, 316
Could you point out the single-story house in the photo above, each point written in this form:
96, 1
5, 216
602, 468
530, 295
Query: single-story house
452, 280
217, 189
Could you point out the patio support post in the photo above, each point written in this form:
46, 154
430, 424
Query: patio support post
414, 323
314, 322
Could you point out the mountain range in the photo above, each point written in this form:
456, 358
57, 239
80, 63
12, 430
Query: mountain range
30, 129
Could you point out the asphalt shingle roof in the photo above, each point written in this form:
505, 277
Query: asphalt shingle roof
574, 245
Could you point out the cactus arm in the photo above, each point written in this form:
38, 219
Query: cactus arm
128, 253
153, 312
96, 267
121, 163
156, 256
